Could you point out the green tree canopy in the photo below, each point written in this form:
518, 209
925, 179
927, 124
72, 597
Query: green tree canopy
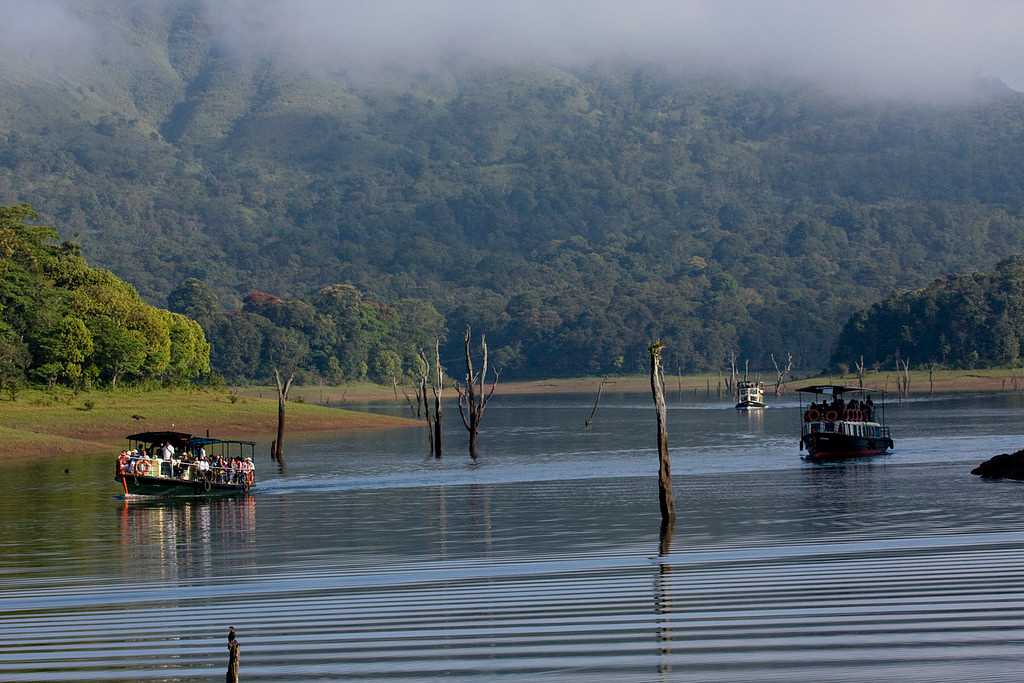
78, 324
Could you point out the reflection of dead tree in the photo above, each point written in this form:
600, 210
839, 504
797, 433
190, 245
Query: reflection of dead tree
663, 596
593, 412
665, 499
472, 399
782, 373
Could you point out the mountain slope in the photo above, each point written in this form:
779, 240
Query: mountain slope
573, 215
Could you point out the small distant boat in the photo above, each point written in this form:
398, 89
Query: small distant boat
835, 428
750, 395
177, 464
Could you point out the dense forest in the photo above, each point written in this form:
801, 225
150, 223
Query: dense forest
571, 214
64, 322
962, 321
336, 335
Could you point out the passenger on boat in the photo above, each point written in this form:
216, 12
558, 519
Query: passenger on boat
204, 467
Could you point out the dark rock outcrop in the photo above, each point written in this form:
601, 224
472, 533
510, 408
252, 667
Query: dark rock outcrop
1002, 466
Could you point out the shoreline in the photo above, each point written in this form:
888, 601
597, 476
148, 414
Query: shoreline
40, 425
944, 382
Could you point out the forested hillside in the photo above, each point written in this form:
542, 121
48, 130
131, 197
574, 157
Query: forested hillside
64, 322
573, 215
335, 336
961, 321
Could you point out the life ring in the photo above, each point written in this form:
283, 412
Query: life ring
207, 485
142, 467
831, 416
815, 415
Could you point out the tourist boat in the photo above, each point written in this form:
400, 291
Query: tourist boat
834, 428
142, 471
750, 395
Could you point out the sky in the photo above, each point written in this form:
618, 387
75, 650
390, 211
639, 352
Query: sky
894, 47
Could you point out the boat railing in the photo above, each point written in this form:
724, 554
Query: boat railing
182, 469
867, 429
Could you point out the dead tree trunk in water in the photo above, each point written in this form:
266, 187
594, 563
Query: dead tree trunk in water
234, 657
437, 389
414, 409
665, 499
472, 399
903, 378
282, 397
731, 382
423, 400
860, 372
679, 380
597, 401
782, 373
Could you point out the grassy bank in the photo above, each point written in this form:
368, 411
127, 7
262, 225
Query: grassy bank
39, 423
942, 381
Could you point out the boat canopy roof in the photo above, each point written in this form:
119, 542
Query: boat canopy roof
158, 437
182, 439
207, 441
833, 389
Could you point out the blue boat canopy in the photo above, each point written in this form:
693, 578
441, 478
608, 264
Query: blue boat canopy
207, 441
183, 440
833, 389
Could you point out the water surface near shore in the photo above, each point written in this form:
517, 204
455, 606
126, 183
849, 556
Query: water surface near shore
363, 559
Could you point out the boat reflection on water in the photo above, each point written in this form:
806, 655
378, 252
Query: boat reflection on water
753, 420
187, 537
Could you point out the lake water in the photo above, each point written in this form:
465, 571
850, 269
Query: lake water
365, 560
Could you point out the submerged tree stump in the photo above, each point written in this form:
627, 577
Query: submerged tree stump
234, 657
665, 499
282, 397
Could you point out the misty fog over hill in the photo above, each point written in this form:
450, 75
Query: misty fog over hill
721, 175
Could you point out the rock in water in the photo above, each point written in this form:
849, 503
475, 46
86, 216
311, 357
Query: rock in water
1002, 466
